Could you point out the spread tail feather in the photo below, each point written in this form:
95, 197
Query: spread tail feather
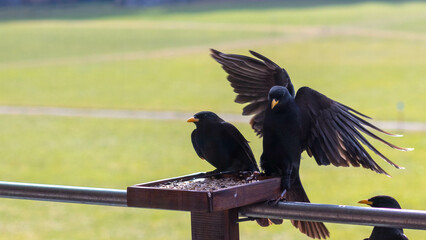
311, 229
265, 222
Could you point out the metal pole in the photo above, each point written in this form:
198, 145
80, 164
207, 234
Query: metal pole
401, 218
385, 217
57, 193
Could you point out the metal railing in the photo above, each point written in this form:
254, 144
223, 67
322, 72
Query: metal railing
58, 193
384, 217
412, 219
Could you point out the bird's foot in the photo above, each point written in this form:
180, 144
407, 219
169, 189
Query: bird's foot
280, 198
274, 202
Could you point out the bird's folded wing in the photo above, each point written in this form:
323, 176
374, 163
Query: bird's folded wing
251, 80
333, 132
195, 144
239, 138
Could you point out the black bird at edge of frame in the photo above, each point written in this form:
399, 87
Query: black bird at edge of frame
292, 123
384, 233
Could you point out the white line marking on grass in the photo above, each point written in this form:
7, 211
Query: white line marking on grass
109, 113
164, 115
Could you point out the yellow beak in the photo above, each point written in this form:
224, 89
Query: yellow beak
192, 119
274, 102
366, 202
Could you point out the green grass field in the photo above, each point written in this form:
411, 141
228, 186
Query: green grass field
367, 55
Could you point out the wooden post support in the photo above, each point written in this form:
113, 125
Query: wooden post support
214, 213
221, 225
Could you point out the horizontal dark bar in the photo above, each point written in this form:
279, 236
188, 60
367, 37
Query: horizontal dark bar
385, 217
58, 193
414, 219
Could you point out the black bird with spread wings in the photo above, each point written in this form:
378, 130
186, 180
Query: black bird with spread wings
384, 233
292, 123
221, 144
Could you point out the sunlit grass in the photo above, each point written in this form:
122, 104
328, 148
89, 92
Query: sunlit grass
119, 153
376, 14
38, 42
371, 75
79, 57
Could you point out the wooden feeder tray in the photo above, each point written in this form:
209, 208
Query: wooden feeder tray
150, 195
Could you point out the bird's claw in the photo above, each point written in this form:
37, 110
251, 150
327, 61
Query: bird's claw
274, 202
279, 200
271, 202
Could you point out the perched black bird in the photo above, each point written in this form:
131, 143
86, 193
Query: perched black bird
224, 147
292, 123
221, 144
384, 233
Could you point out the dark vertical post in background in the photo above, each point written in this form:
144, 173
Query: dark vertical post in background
220, 225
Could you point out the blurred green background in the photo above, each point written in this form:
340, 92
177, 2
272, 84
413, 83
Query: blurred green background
368, 55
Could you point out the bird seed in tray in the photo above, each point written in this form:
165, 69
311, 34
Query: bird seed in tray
208, 184
204, 192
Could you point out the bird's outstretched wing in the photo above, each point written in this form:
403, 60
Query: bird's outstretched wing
195, 144
251, 80
239, 138
333, 132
